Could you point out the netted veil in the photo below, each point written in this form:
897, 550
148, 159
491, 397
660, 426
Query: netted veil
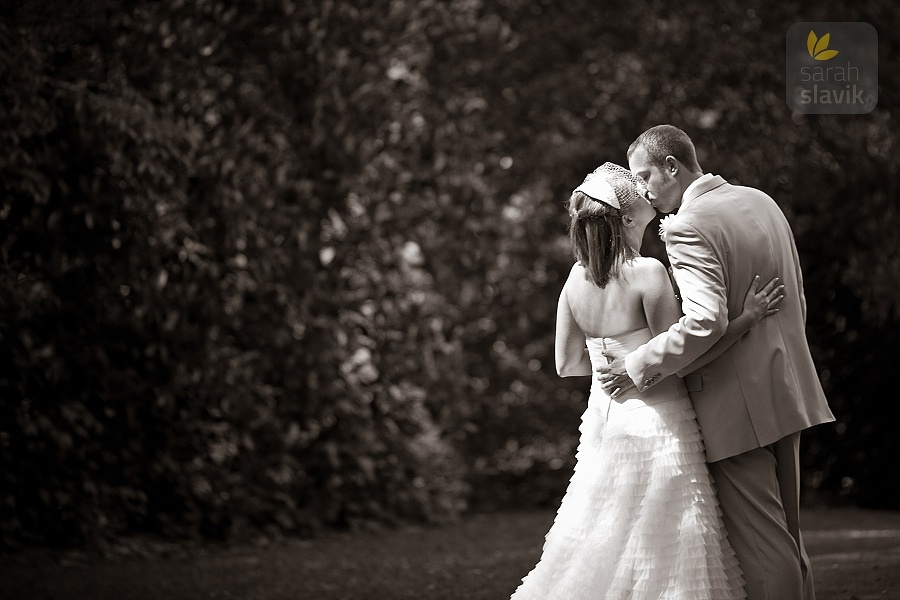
613, 185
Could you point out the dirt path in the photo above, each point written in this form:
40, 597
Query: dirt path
856, 556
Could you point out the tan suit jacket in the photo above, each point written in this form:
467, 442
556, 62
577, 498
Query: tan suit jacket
765, 386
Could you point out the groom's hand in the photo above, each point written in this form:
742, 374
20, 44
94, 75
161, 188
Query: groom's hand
614, 379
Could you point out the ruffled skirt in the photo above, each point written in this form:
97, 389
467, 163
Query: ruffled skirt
640, 519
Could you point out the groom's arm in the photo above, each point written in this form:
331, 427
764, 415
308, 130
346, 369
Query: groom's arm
700, 278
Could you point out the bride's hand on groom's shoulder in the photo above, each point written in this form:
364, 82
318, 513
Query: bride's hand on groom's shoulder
760, 303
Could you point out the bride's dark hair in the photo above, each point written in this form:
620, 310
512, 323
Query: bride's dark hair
597, 237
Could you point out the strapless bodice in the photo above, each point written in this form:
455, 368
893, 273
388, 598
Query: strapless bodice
616, 346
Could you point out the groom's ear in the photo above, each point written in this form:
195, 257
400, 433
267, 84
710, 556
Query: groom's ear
672, 164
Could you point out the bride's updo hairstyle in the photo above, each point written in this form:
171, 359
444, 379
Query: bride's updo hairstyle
596, 231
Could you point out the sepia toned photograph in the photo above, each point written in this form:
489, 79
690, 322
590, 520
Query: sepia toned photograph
449, 300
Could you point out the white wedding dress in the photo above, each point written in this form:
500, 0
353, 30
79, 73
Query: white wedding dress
640, 519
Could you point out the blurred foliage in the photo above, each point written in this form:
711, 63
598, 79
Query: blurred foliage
275, 266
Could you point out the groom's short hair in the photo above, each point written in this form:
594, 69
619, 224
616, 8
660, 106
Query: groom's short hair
667, 140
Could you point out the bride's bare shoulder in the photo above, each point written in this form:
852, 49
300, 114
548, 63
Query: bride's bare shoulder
577, 271
648, 265
649, 271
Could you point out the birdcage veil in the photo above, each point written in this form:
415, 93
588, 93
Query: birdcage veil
611, 184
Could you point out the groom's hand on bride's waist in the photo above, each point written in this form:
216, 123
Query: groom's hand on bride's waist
613, 378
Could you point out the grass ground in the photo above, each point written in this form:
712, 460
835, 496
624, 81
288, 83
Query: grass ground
855, 553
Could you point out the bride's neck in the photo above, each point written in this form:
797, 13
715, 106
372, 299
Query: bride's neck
634, 243
630, 253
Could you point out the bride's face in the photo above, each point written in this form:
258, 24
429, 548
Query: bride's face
642, 213
639, 215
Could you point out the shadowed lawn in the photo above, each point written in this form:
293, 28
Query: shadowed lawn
855, 553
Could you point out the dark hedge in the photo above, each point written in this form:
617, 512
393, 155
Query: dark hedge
279, 266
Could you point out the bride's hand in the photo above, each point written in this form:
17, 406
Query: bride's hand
761, 303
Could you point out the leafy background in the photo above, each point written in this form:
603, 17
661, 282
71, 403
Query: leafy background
275, 266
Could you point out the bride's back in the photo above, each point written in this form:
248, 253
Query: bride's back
616, 308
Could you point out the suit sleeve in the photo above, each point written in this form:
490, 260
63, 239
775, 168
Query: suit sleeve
700, 277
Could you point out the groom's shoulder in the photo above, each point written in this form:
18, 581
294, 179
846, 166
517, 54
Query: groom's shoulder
749, 190
734, 193
747, 200
744, 191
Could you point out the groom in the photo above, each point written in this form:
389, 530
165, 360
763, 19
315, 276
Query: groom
753, 401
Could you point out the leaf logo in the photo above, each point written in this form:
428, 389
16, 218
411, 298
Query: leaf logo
818, 47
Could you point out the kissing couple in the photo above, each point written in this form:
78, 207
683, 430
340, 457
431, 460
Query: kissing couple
687, 481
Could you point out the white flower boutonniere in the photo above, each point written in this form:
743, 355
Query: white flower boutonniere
664, 226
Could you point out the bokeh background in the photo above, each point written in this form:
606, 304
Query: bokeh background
278, 267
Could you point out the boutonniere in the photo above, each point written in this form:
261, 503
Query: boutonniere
664, 226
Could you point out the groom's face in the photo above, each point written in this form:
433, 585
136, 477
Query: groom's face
663, 191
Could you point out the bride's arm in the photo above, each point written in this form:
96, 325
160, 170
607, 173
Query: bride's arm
758, 304
572, 358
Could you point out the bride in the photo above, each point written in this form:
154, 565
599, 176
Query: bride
639, 519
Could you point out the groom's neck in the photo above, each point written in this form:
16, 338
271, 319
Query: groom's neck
686, 178
690, 177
